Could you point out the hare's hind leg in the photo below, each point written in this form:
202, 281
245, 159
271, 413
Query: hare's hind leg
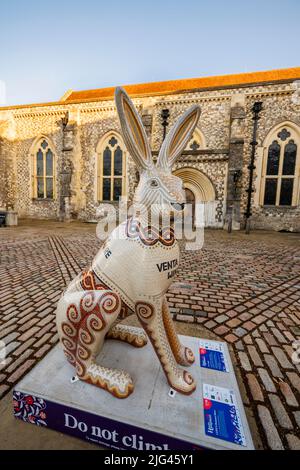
90, 315
183, 355
150, 316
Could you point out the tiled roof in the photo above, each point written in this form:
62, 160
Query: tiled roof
175, 86
172, 86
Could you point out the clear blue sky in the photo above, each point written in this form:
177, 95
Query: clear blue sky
49, 46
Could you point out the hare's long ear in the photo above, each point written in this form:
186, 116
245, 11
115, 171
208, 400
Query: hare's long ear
178, 137
133, 131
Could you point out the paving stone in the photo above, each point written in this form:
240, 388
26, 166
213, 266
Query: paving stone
259, 319
239, 345
54, 339
233, 322
11, 347
297, 417
8, 323
268, 425
291, 338
43, 340
289, 351
46, 311
255, 334
273, 365
221, 318
293, 442
231, 338
255, 389
221, 330
239, 331
46, 320
26, 318
29, 333
294, 380
19, 361
42, 350
231, 313
249, 325
254, 356
278, 335
28, 325
245, 363
16, 376
263, 328
244, 316
6, 331
270, 339
280, 412
282, 358
266, 380
247, 339
210, 324
24, 347
186, 318
288, 394
5, 363
9, 338
262, 345
49, 326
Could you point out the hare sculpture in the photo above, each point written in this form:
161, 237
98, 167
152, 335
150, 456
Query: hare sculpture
133, 269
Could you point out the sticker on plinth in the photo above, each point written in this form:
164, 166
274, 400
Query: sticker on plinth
221, 415
212, 355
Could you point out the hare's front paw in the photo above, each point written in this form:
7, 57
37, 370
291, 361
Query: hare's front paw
182, 382
185, 357
117, 382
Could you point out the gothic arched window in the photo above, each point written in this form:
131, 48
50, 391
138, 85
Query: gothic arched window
281, 169
112, 166
43, 170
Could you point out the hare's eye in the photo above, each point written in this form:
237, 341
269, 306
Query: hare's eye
153, 184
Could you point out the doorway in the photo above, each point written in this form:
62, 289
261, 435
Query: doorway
190, 201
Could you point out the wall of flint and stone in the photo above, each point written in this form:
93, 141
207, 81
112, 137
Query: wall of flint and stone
225, 122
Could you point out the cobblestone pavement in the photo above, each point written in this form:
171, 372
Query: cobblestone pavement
242, 289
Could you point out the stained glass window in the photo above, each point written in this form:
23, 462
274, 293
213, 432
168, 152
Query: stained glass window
118, 162
280, 179
40, 163
289, 159
273, 159
283, 134
106, 189
286, 191
117, 188
112, 177
49, 188
40, 187
270, 191
107, 162
44, 171
113, 141
49, 163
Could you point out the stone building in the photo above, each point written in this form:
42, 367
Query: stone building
58, 160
